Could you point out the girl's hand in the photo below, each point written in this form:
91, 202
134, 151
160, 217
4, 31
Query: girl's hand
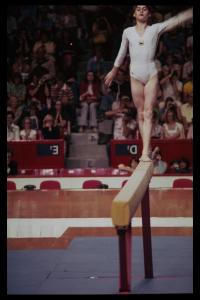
109, 78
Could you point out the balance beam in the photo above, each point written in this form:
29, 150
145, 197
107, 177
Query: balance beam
123, 208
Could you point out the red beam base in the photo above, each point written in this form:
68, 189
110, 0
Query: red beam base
124, 235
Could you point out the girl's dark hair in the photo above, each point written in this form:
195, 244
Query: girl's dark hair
150, 8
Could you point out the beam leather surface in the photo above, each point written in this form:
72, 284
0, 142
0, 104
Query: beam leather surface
127, 200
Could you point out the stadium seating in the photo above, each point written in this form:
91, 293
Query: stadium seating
50, 185
182, 183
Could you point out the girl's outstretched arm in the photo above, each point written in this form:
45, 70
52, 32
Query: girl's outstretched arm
175, 21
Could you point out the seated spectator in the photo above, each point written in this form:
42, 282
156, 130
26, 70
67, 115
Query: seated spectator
120, 86
60, 119
45, 40
156, 132
131, 167
17, 109
184, 165
96, 64
89, 99
17, 88
43, 61
171, 103
12, 168
174, 166
12, 129
124, 118
60, 88
49, 130
187, 111
27, 133
160, 166
130, 124
171, 128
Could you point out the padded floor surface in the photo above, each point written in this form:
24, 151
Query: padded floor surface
90, 266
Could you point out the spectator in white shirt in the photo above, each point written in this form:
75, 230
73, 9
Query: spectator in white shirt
171, 128
12, 129
27, 133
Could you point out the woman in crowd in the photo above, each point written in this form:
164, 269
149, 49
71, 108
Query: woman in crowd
171, 128
89, 99
49, 130
27, 133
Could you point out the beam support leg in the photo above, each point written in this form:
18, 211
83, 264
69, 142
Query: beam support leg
146, 230
124, 235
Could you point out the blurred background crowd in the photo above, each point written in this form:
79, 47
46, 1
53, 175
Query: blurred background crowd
57, 58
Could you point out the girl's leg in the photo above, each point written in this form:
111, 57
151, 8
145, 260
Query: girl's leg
150, 94
137, 90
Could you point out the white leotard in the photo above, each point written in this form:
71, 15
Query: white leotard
142, 48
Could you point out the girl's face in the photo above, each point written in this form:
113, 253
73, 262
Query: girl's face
141, 13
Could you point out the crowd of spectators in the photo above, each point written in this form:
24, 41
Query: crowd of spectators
57, 58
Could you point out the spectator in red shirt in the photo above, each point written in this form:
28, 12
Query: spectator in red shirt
89, 98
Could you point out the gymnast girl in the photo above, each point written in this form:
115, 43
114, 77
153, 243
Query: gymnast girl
142, 40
